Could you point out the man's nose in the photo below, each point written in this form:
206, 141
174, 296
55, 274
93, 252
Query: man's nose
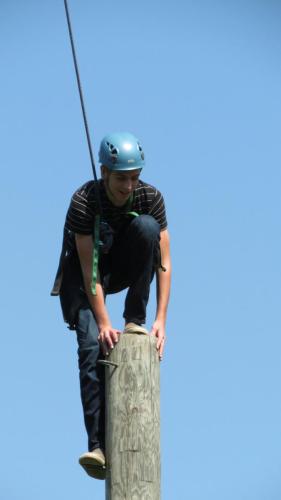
129, 185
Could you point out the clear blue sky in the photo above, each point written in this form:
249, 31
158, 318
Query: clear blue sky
199, 83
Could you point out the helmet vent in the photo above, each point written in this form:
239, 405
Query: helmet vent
113, 150
141, 151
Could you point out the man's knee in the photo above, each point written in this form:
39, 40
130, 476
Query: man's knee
146, 227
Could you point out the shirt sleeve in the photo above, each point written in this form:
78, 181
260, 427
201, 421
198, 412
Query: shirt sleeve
81, 214
158, 210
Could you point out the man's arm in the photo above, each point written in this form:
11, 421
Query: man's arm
108, 336
163, 292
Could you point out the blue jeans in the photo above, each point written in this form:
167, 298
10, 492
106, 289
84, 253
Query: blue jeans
130, 264
91, 378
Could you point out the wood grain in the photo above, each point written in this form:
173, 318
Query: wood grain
133, 420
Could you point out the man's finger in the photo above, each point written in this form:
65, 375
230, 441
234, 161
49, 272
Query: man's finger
108, 340
161, 350
102, 341
114, 337
104, 349
160, 339
159, 342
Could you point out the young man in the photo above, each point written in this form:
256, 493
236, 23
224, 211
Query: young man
115, 237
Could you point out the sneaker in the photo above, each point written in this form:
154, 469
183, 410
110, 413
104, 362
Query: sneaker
93, 462
133, 328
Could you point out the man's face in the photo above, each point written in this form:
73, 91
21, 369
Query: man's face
119, 185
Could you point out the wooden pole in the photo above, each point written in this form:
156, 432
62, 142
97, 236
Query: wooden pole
133, 419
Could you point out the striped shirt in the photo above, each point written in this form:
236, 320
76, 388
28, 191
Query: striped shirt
80, 217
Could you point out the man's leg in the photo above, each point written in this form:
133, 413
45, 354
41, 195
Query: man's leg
91, 378
142, 245
134, 257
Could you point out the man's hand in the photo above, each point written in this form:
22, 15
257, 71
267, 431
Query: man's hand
158, 330
108, 337
163, 291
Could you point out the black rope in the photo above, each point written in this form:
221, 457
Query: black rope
83, 106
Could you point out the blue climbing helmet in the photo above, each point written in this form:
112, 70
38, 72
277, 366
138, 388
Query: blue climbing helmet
121, 151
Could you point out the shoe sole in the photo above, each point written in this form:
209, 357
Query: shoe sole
93, 468
139, 330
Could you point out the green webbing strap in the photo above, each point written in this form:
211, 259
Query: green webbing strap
96, 255
129, 206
